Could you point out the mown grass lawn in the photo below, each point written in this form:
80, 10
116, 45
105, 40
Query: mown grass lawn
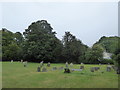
14, 75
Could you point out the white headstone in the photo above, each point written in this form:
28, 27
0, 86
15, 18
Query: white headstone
11, 61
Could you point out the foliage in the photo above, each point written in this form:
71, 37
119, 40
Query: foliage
94, 55
72, 48
11, 48
110, 44
41, 43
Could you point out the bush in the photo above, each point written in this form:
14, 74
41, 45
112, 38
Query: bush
106, 61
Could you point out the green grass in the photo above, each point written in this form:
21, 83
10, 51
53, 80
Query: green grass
14, 75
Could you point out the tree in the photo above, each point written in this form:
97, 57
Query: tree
11, 49
116, 57
72, 48
40, 42
94, 54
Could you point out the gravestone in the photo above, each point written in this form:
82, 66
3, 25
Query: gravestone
100, 64
44, 69
96, 68
108, 68
81, 67
118, 70
92, 69
21, 61
25, 64
71, 65
48, 64
81, 63
11, 61
38, 69
54, 68
67, 70
66, 64
41, 64
61, 68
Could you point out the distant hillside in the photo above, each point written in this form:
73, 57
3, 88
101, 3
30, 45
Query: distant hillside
110, 44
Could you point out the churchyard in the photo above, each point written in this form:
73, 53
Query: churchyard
30, 75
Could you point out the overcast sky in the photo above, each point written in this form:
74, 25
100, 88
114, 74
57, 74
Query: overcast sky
88, 21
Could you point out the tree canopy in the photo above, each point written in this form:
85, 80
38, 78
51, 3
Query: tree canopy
39, 43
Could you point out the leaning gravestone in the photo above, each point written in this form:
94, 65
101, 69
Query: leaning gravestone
41, 64
44, 69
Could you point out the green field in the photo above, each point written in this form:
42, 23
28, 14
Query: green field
14, 75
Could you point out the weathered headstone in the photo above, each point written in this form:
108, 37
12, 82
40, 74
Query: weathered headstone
118, 70
100, 64
41, 64
25, 64
96, 68
66, 64
92, 69
11, 61
21, 61
48, 64
81, 63
108, 68
61, 68
71, 65
44, 69
81, 67
54, 68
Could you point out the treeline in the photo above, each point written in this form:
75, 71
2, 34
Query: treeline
39, 43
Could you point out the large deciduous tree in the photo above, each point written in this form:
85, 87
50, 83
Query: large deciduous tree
40, 42
72, 48
11, 48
